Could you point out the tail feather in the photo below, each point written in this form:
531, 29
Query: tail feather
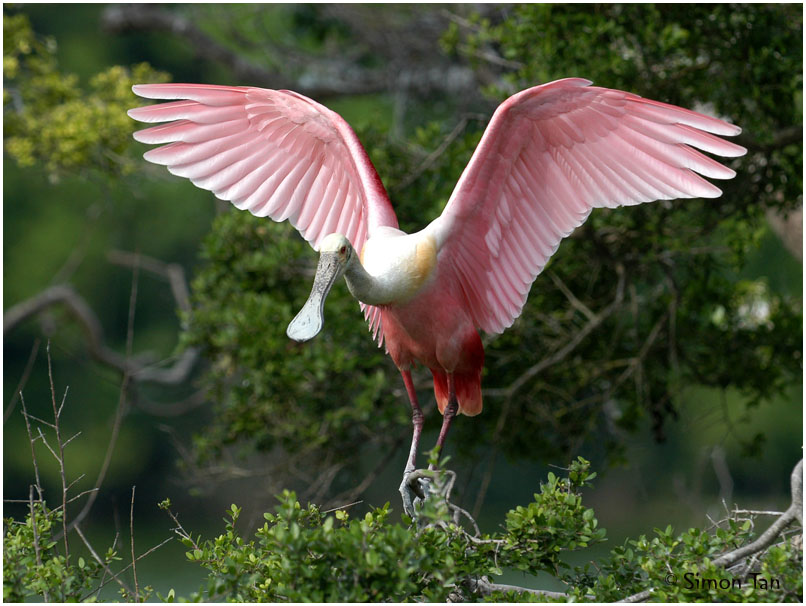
468, 391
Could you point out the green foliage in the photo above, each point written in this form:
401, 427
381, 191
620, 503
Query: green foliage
746, 61
34, 563
679, 568
303, 554
50, 119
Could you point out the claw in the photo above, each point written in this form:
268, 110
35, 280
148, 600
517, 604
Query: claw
417, 486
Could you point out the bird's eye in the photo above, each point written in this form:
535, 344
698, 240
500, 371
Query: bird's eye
342, 250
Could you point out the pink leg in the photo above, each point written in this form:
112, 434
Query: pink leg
447, 415
417, 420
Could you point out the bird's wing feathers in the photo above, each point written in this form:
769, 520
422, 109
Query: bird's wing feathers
549, 156
274, 153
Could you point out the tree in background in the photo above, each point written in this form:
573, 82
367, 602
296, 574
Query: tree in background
593, 354
640, 306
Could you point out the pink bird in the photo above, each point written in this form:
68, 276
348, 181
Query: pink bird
550, 155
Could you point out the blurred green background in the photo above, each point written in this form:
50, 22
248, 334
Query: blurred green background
724, 439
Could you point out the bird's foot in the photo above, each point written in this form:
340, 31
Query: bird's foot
414, 490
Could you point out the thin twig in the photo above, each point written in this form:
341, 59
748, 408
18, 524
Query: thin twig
105, 566
119, 413
146, 554
38, 420
31, 440
172, 272
103, 580
575, 303
131, 536
180, 530
342, 507
57, 412
371, 476
78, 433
23, 379
758, 512
429, 161
132, 307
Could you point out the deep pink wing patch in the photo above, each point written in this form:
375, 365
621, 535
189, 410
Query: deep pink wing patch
549, 156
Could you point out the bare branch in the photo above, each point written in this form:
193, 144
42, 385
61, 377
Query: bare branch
57, 412
76, 304
110, 448
31, 440
370, 477
172, 272
569, 346
769, 536
485, 587
342, 507
136, 367
641, 596
575, 303
786, 136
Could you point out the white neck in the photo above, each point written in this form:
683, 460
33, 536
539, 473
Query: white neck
363, 286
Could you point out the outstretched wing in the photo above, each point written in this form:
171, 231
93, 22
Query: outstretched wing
549, 156
275, 153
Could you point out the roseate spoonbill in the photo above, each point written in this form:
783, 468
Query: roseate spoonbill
549, 156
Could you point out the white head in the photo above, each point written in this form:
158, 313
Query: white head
335, 255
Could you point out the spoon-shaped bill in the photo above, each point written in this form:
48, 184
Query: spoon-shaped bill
310, 319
